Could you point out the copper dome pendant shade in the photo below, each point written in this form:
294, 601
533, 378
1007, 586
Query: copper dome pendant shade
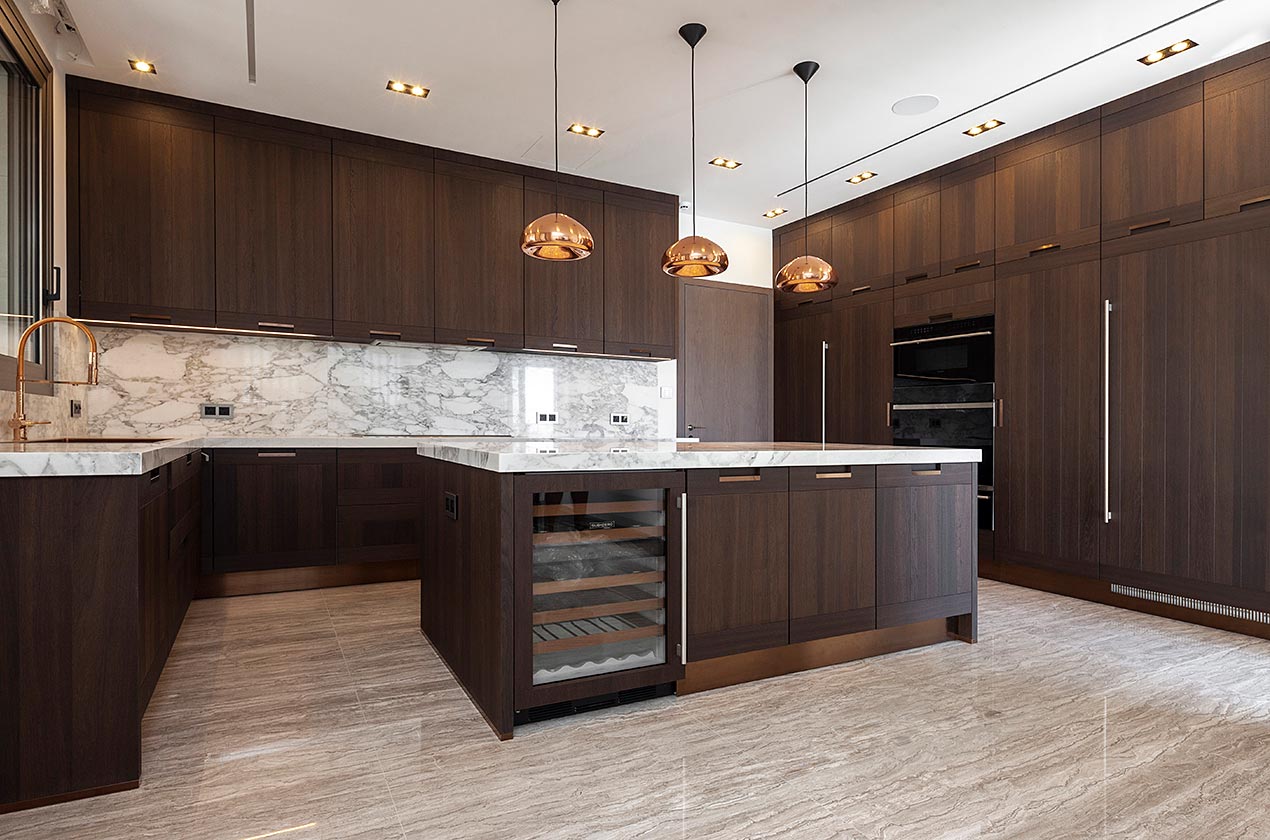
694, 256
806, 274
556, 236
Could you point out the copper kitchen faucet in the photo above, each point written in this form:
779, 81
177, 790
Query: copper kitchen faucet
19, 424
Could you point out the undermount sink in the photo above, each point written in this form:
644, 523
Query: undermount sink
95, 440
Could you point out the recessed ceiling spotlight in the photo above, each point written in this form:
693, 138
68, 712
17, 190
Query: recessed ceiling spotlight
585, 130
912, 106
725, 163
774, 212
976, 130
861, 178
1171, 50
417, 91
142, 66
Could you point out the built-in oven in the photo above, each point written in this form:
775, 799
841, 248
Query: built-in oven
943, 393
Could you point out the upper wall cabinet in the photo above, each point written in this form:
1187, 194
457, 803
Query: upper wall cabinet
564, 301
967, 218
1153, 164
1236, 153
146, 213
383, 244
1048, 194
479, 267
639, 298
818, 242
917, 232
863, 247
273, 229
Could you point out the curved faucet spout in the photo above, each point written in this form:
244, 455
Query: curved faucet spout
19, 424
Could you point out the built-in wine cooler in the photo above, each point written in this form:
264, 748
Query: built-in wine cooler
599, 585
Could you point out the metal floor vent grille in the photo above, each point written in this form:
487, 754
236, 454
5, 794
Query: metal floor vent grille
1193, 604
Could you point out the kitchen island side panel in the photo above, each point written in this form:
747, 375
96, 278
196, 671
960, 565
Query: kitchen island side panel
466, 583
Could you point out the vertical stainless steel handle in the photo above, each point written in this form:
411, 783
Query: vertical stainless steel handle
1106, 412
824, 354
683, 578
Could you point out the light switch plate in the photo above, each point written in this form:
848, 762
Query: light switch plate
77, 408
547, 417
619, 419
215, 411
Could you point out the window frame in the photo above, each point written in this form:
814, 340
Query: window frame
26, 48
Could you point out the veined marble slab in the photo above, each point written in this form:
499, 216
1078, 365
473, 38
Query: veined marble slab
507, 456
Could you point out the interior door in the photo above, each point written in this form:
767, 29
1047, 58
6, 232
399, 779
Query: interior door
725, 361
858, 369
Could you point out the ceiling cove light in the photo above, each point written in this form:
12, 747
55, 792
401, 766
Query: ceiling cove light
694, 256
142, 66
584, 130
774, 212
1171, 50
417, 91
862, 177
976, 130
806, 274
725, 163
556, 236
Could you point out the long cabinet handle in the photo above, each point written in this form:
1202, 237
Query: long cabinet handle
1106, 412
274, 325
824, 361
683, 578
1001, 413
275, 454
725, 479
846, 474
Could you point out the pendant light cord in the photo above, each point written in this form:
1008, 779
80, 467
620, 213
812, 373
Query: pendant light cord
693, 87
806, 186
555, 85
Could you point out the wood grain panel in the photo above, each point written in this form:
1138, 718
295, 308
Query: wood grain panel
832, 563
917, 233
380, 476
1236, 157
863, 247
564, 301
796, 376
639, 298
966, 294
858, 375
967, 218
818, 242
380, 533
925, 542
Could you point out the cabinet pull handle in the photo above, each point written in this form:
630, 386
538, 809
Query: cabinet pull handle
189, 457
274, 325
207, 458
156, 474
275, 454
1051, 246
1253, 202
144, 318
727, 479
1106, 412
943, 316
846, 474
683, 578
983, 497
888, 416
859, 289
824, 361
920, 276
385, 333
640, 351
1000, 419
936, 471
489, 342
964, 266
1143, 227
560, 346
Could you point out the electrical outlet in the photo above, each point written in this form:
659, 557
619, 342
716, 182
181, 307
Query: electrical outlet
77, 408
667, 392
547, 417
215, 411
619, 419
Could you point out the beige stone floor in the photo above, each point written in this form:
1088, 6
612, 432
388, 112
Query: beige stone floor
326, 714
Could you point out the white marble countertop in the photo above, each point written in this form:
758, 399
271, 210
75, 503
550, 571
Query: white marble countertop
515, 456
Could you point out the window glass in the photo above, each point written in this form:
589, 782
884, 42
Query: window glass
20, 212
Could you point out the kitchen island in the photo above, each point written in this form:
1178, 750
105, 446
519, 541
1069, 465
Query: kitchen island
561, 576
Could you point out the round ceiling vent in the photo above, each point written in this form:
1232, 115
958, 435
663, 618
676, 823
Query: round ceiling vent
911, 106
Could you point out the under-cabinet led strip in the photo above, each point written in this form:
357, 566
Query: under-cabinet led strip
1193, 604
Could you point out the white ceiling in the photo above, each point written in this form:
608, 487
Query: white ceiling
624, 68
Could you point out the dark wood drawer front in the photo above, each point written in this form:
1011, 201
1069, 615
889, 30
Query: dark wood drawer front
565, 344
377, 331
921, 475
187, 466
956, 296
645, 351
720, 482
480, 338
146, 313
375, 533
844, 477
274, 323
381, 476
926, 537
152, 484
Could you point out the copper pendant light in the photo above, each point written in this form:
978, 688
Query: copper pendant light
806, 274
556, 236
694, 256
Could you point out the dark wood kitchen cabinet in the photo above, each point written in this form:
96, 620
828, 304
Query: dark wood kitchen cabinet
738, 571
144, 211
1153, 164
832, 551
967, 218
382, 250
818, 242
966, 294
797, 360
564, 301
639, 298
380, 497
479, 217
1047, 454
156, 579
1236, 157
858, 381
273, 229
1048, 194
863, 247
926, 542
917, 239
273, 509
1189, 378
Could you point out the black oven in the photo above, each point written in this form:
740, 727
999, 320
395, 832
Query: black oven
943, 393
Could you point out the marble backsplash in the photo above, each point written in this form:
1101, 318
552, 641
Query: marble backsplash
154, 382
